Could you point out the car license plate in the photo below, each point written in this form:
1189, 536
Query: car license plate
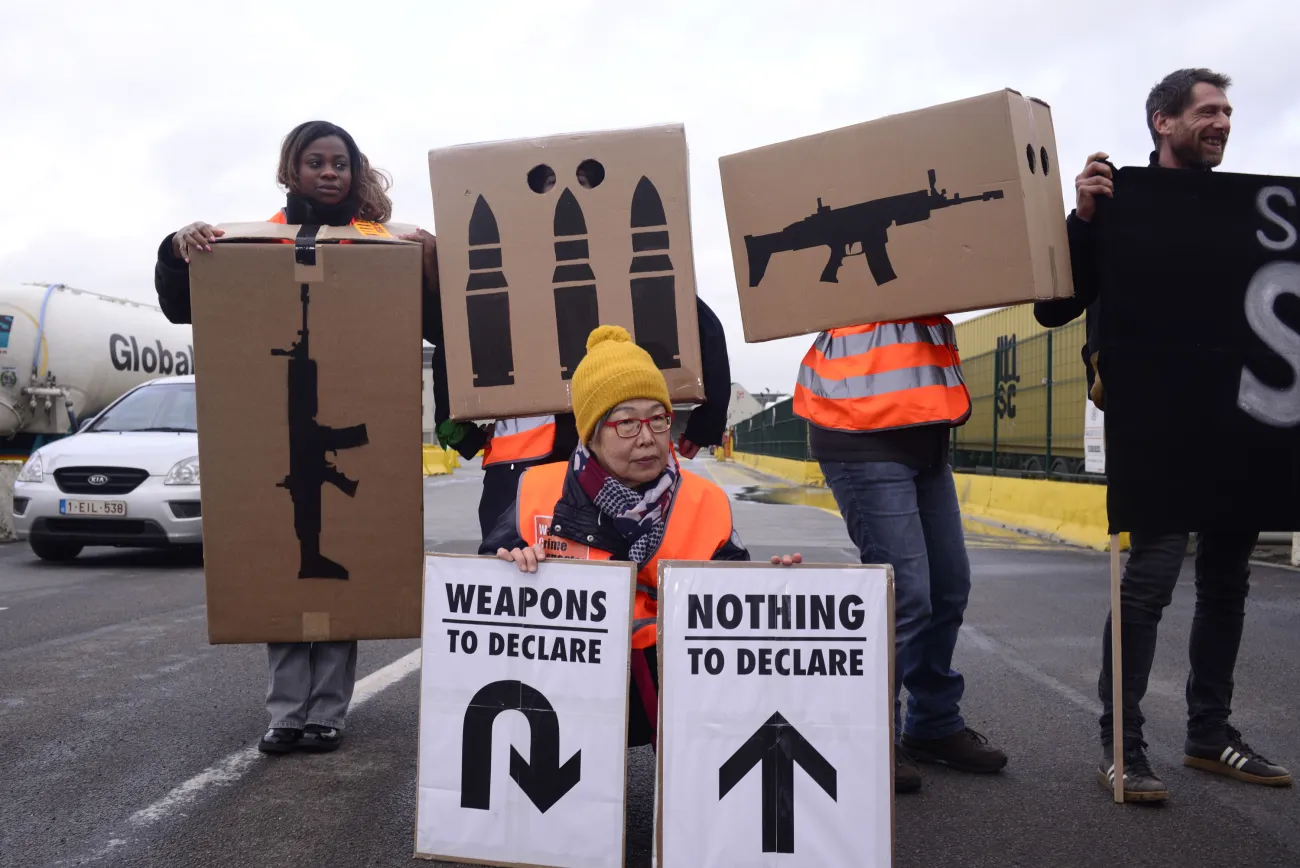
113, 508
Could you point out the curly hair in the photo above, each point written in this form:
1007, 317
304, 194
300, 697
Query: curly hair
1173, 94
369, 185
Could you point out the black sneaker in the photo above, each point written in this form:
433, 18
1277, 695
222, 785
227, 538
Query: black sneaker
907, 775
1230, 755
1140, 782
280, 740
965, 751
320, 739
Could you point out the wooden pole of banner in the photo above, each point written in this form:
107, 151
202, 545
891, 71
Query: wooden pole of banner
1116, 672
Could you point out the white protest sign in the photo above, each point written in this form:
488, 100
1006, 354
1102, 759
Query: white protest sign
1094, 438
523, 712
776, 702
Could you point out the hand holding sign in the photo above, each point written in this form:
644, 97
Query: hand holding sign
527, 558
787, 560
1095, 180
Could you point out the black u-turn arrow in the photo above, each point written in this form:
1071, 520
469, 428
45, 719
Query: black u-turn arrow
542, 778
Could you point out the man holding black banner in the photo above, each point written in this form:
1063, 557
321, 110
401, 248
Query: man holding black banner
1189, 118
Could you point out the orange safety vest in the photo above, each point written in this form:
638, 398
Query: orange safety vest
883, 375
520, 440
699, 523
281, 218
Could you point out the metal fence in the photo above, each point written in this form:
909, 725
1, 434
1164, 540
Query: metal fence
1029, 399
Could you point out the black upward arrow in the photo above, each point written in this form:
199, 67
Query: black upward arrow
778, 746
544, 781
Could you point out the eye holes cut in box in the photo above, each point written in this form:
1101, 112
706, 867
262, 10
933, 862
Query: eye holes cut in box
1042, 152
590, 174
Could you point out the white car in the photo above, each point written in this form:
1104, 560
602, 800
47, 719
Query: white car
129, 477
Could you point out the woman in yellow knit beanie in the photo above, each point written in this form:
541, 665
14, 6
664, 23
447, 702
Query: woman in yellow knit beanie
622, 496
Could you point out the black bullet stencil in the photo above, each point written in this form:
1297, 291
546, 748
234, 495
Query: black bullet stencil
576, 308
488, 313
654, 297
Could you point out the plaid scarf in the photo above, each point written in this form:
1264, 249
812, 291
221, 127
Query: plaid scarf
640, 518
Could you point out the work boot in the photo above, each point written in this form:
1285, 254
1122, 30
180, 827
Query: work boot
965, 751
280, 740
1230, 755
1140, 782
320, 739
907, 774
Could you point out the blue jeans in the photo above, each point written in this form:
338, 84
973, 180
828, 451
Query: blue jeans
911, 519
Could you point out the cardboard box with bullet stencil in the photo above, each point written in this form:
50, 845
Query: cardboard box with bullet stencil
542, 240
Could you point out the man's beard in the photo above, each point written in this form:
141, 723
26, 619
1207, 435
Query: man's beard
1189, 153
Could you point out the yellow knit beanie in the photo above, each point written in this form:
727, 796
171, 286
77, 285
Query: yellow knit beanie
613, 371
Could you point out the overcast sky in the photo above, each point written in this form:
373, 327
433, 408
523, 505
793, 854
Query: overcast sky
121, 122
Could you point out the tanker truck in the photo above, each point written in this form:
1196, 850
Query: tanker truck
66, 353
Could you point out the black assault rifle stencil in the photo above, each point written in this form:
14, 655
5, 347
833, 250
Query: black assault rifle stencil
308, 442
866, 223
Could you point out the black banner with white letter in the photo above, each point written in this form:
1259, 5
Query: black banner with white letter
1200, 350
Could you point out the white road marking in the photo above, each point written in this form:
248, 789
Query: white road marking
4, 608
233, 767
1277, 819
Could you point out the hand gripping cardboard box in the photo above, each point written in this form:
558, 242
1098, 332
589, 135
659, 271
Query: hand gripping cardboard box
542, 240
947, 209
310, 432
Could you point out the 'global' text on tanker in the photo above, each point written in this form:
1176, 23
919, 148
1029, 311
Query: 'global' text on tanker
128, 356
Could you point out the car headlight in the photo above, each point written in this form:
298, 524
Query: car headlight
184, 472
33, 470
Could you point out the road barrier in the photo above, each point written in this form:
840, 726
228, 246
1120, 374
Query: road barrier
439, 461
1068, 512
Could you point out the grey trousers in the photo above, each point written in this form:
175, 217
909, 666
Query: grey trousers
311, 682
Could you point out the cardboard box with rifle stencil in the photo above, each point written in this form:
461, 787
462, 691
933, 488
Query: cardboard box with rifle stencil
946, 209
310, 432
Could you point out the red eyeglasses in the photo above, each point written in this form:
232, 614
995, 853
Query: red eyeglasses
629, 428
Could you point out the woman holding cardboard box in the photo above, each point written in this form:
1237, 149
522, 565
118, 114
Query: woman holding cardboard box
622, 496
330, 182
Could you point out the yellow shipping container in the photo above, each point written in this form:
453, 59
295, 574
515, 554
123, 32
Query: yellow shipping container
1005, 363
980, 334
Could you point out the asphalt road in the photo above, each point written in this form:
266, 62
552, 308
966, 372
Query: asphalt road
127, 740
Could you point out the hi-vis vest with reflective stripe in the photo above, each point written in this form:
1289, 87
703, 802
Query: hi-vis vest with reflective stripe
515, 440
699, 523
883, 375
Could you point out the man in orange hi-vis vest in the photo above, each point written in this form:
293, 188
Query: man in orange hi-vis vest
880, 400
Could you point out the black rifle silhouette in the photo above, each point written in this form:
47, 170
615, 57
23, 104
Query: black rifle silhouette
866, 223
308, 467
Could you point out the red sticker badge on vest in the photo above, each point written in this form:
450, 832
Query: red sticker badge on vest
559, 547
